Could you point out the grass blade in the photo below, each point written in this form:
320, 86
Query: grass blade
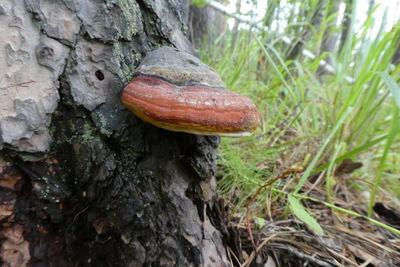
301, 213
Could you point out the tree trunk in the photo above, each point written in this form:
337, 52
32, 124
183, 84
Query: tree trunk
271, 13
346, 23
83, 182
330, 36
316, 19
206, 24
235, 28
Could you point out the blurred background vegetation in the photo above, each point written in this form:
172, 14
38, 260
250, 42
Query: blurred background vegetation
325, 76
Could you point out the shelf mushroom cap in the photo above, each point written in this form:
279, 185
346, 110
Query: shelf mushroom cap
176, 91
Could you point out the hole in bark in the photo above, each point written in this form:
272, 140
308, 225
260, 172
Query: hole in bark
99, 75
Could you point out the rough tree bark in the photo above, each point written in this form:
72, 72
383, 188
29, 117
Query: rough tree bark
83, 182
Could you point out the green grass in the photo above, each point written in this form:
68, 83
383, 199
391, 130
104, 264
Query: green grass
310, 120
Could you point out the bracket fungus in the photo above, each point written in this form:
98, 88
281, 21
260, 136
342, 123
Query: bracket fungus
176, 91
